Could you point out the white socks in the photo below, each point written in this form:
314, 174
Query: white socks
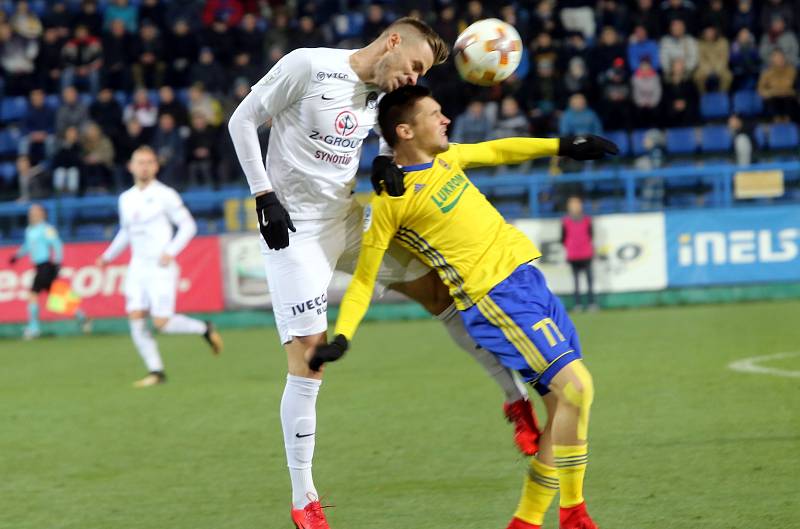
180, 324
146, 345
299, 421
512, 387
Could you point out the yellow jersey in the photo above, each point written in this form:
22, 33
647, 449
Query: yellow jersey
446, 222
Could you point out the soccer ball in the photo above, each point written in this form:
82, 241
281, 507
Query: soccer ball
487, 52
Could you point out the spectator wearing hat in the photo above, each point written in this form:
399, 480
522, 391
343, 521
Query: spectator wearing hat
208, 72
229, 12
615, 94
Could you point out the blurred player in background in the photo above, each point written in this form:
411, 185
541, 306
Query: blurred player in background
46, 252
147, 213
487, 264
577, 236
323, 104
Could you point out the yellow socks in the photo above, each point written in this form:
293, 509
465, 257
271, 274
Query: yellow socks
571, 466
538, 491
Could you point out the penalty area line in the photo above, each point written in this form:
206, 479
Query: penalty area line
752, 365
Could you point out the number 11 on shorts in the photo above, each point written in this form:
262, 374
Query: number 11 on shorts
550, 330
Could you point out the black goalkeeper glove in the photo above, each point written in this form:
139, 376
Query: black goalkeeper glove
329, 352
586, 147
386, 176
273, 221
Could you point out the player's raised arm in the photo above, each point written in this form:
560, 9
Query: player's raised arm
517, 150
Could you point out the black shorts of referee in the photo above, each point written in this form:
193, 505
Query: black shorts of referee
46, 273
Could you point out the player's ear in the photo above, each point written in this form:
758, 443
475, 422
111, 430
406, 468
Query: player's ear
404, 131
393, 41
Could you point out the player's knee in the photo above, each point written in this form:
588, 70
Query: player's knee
159, 323
579, 390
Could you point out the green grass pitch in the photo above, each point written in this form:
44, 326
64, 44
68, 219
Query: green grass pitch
410, 431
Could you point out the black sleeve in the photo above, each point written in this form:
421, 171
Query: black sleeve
591, 229
563, 234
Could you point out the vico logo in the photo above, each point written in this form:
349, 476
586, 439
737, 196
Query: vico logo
738, 247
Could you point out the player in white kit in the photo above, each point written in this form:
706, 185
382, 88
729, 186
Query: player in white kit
323, 103
147, 213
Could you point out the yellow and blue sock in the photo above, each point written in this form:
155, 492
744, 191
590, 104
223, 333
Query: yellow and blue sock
571, 467
538, 491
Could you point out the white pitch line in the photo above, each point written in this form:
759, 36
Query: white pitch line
750, 365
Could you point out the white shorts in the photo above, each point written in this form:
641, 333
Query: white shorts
151, 288
300, 274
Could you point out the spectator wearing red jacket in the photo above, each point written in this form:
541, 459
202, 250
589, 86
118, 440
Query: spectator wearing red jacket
577, 238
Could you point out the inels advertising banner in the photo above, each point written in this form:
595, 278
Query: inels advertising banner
728, 246
629, 252
101, 289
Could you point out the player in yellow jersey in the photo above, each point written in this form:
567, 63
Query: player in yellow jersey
486, 263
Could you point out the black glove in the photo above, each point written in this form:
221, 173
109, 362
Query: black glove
586, 147
328, 353
273, 221
13, 260
386, 176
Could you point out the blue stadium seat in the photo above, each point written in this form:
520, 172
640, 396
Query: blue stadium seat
715, 105
8, 172
620, 137
783, 136
16, 235
637, 142
9, 142
122, 98
715, 138
182, 95
348, 25
13, 108
52, 101
747, 103
681, 140
86, 99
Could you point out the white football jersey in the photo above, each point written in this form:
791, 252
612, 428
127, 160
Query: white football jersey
321, 113
147, 217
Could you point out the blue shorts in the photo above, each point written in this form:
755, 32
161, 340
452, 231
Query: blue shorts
525, 326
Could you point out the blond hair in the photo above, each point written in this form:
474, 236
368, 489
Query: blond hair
439, 47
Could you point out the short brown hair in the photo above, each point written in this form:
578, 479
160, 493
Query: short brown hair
144, 148
438, 46
395, 108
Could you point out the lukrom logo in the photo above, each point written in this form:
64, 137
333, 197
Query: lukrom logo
737, 247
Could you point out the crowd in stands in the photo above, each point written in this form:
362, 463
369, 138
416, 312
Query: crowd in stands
84, 82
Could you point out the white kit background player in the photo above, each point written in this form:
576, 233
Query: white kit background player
147, 213
323, 104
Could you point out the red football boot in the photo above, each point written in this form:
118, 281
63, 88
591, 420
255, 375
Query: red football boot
575, 518
526, 429
516, 523
310, 517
